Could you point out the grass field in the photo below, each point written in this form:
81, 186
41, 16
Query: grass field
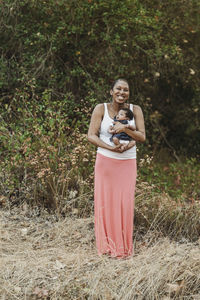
45, 257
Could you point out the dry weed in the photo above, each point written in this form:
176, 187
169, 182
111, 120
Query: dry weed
160, 212
47, 258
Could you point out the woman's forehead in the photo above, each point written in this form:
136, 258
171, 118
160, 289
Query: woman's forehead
121, 83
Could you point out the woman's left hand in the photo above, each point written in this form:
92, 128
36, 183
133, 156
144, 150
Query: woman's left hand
118, 127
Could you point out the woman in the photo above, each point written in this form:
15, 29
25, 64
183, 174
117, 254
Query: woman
115, 174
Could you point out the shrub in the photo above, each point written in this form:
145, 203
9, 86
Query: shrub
153, 44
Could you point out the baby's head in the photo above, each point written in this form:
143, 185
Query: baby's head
124, 114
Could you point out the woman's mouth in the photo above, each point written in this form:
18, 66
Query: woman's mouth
120, 97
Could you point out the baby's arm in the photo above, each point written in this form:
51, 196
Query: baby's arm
130, 126
111, 129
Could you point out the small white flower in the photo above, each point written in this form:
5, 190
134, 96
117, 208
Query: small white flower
157, 74
72, 194
192, 72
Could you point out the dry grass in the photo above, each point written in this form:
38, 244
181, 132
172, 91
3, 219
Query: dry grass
42, 257
160, 212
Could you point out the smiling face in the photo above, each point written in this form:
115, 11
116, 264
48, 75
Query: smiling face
120, 92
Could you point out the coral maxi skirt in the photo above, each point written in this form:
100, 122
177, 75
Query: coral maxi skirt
114, 205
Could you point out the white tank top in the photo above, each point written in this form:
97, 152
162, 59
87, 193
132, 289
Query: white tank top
104, 135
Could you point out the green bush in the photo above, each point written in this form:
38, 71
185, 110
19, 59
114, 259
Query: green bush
46, 158
61, 46
58, 60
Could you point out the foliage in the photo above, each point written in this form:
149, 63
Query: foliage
58, 59
168, 198
161, 213
178, 179
61, 46
42, 161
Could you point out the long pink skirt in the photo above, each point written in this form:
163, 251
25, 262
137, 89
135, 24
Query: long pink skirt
114, 205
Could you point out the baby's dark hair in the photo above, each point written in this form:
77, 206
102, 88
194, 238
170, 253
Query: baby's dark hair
129, 113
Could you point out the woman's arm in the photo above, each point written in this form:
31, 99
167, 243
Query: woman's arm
139, 134
93, 132
131, 127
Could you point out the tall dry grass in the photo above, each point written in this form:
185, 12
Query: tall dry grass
160, 212
44, 257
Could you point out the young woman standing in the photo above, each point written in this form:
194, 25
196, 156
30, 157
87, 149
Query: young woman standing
115, 174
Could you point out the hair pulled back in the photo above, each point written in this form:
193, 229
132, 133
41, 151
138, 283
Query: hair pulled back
119, 79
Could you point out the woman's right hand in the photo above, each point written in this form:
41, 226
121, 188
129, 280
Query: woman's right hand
118, 148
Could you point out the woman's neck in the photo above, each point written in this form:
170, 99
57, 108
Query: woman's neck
117, 106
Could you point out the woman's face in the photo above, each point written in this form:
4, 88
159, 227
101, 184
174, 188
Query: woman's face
120, 92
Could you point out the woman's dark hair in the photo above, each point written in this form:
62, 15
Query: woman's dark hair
119, 79
129, 113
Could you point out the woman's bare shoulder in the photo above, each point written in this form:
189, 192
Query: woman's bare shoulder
99, 106
99, 109
136, 107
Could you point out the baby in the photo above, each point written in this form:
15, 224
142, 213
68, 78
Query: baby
124, 116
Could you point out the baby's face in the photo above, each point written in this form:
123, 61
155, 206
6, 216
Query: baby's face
121, 115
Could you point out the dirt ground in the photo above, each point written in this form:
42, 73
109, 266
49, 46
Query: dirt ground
46, 257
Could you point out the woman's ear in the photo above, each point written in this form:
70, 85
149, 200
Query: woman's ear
111, 92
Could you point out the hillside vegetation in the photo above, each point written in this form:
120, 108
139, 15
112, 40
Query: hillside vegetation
58, 60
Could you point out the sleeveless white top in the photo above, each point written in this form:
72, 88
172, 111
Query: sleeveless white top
105, 136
